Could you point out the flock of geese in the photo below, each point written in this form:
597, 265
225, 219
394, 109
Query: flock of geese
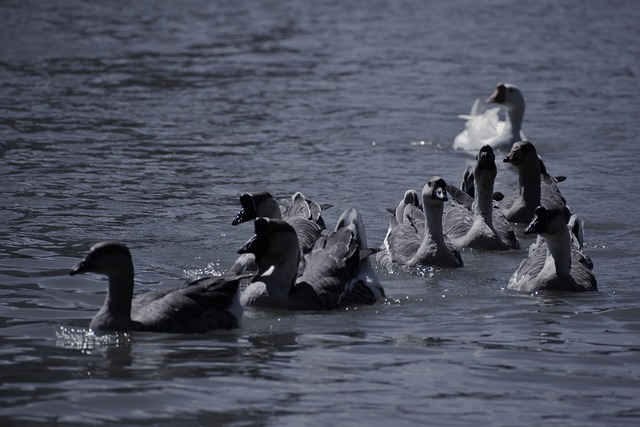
293, 262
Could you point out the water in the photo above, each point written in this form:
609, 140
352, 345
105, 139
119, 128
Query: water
144, 121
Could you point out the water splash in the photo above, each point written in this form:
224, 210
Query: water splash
88, 341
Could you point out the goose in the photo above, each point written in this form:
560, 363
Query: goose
199, 305
468, 185
419, 238
483, 225
410, 198
304, 215
483, 127
334, 275
555, 261
365, 281
534, 187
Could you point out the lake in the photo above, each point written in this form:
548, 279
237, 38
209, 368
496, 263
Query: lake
144, 121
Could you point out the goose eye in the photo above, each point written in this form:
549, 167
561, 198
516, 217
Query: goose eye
510, 90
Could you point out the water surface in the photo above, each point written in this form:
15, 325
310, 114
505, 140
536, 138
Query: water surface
144, 121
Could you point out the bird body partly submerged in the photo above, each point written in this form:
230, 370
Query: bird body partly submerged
534, 187
483, 126
302, 214
482, 225
555, 261
418, 239
335, 273
199, 305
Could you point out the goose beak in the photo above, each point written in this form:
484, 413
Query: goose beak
485, 161
440, 194
535, 226
79, 268
248, 210
531, 228
497, 97
513, 156
240, 218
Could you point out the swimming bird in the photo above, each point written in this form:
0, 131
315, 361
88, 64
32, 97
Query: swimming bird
303, 214
364, 282
199, 305
555, 261
410, 198
333, 277
534, 188
483, 127
482, 225
418, 239
468, 184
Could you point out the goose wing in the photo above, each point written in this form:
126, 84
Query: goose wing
550, 195
481, 127
328, 268
299, 206
581, 266
307, 231
524, 278
363, 286
456, 221
460, 196
404, 240
198, 306
504, 229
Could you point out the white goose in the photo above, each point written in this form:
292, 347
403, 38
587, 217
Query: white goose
483, 127
419, 239
555, 262
534, 187
199, 305
483, 225
334, 275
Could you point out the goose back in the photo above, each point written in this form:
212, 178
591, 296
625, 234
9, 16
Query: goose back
419, 239
555, 261
482, 225
199, 305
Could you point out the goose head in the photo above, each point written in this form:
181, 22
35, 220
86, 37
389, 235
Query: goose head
303, 206
485, 171
255, 205
275, 243
109, 258
508, 95
522, 152
411, 198
546, 221
434, 192
468, 184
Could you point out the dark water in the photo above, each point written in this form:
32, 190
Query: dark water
143, 122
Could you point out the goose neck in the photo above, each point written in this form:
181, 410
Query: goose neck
482, 206
279, 277
559, 245
120, 294
515, 115
529, 183
433, 222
